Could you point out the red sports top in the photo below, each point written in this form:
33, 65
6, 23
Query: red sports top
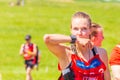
91, 70
27, 48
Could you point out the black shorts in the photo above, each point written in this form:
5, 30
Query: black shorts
29, 63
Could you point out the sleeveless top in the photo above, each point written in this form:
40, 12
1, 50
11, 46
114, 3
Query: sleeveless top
28, 48
91, 70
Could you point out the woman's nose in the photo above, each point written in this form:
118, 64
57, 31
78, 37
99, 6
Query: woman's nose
79, 32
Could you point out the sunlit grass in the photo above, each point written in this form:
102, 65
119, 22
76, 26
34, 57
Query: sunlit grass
39, 17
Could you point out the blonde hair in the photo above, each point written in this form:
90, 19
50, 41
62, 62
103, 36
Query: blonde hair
95, 25
82, 15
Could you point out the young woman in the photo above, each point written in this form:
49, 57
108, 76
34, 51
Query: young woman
83, 61
96, 34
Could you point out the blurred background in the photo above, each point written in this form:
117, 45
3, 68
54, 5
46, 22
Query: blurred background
39, 17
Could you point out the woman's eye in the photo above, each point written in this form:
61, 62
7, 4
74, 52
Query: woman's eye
84, 28
76, 29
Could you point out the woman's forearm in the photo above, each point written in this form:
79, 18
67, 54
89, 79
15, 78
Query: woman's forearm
56, 38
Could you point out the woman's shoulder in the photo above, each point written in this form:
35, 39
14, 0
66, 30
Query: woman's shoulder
101, 51
22, 45
102, 54
117, 47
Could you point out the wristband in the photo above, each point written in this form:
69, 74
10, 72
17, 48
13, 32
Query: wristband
73, 38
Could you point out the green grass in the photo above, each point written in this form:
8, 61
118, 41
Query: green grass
39, 17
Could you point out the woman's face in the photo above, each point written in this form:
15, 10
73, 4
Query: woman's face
80, 27
98, 38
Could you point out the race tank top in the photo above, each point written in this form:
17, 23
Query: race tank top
91, 70
27, 48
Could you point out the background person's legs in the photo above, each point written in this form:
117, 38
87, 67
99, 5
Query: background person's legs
28, 73
22, 2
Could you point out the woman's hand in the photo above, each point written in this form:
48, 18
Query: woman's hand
84, 43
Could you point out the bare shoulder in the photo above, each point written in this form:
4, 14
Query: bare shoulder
101, 50
34, 45
102, 53
22, 45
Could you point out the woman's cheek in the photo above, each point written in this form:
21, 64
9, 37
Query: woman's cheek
85, 34
74, 32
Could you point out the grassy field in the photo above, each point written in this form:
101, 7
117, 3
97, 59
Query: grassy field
39, 17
